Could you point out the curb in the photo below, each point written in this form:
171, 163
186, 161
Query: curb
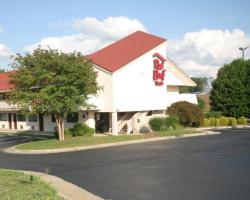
65, 189
13, 150
222, 127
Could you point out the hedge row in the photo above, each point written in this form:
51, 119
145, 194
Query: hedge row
224, 121
164, 123
79, 129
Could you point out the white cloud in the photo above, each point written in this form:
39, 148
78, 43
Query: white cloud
93, 34
202, 53
5, 54
111, 28
198, 53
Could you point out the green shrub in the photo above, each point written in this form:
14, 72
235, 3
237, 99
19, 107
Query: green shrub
224, 121
157, 123
68, 133
212, 121
164, 123
205, 122
189, 114
232, 121
81, 129
172, 121
201, 103
217, 122
214, 114
242, 120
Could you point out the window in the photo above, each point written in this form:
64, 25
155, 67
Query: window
3, 117
21, 118
72, 117
32, 118
53, 119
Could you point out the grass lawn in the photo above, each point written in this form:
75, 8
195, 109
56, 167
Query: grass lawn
176, 132
16, 185
85, 141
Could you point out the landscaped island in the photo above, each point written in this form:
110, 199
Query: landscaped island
15, 185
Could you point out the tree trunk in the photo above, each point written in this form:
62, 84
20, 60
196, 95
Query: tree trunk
60, 126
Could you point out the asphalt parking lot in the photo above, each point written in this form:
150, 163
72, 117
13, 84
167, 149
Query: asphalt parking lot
11, 139
205, 167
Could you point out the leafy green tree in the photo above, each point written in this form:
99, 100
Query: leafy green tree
51, 82
189, 114
231, 89
2, 70
201, 103
201, 83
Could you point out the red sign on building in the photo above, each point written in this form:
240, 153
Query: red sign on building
159, 71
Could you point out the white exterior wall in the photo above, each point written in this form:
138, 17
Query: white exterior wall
4, 125
83, 116
104, 100
134, 88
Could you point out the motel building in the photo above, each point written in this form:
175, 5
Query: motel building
139, 82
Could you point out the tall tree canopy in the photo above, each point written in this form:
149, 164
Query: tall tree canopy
231, 89
51, 82
201, 83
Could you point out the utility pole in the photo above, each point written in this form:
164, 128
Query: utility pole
243, 49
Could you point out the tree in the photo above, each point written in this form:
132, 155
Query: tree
51, 82
201, 83
2, 70
231, 90
201, 103
188, 113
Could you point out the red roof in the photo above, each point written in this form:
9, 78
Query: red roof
122, 52
112, 57
5, 80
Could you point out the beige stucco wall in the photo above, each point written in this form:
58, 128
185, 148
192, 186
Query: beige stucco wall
104, 99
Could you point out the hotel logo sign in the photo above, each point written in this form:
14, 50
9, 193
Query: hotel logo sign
159, 71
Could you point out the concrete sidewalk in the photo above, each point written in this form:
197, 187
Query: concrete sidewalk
65, 189
13, 150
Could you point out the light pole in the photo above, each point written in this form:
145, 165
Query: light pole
243, 49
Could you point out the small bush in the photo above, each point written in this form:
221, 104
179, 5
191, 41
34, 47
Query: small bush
212, 121
201, 103
214, 114
217, 122
68, 133
224, 121
232, 121
172, 121
242, 120
164, 123
80, 129
157, 123
188, 113
205, 122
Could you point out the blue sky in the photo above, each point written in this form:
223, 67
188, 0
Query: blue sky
27, 22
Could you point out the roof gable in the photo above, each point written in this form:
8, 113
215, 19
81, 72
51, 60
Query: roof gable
122, 52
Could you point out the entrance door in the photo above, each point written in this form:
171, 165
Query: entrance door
10, 121
41, 124
102, 122
15, 120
